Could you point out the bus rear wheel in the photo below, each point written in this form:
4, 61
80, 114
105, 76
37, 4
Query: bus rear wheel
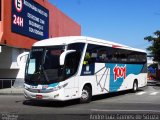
86, 95
135, 86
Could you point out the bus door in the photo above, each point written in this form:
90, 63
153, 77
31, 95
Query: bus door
70, 69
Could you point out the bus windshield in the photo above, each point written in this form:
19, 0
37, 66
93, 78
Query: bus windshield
43, 65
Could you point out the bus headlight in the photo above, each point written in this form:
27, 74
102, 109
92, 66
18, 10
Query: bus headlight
26, 87
55, 89
59, 87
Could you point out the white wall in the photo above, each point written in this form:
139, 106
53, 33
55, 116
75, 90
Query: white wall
8, 62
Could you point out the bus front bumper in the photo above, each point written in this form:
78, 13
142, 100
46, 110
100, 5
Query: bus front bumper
51, 96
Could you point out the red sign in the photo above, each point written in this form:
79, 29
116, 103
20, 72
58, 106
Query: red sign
39, 96
119, 72
18, 5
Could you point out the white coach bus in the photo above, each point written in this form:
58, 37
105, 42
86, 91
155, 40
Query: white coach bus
66, 68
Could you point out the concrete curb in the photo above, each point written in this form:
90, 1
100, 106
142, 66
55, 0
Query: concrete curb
151, 82
11, 91
11, 94
158, 83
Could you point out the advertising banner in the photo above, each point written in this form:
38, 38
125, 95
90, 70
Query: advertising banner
30, 19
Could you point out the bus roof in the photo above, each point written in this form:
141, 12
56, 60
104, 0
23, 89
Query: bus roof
82, 39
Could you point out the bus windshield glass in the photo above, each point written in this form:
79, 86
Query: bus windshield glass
43, 65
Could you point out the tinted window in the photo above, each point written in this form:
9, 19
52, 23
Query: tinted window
76, 46
73, 59
96, 53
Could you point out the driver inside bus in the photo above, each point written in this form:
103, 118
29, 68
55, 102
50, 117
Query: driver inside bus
86, 59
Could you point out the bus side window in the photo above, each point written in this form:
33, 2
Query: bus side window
87, 58
73, 59
93, 54
102, 54
71, 64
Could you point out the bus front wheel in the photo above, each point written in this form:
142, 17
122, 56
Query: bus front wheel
86, 95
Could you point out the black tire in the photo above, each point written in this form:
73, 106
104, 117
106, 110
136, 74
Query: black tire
135, 87
86, 95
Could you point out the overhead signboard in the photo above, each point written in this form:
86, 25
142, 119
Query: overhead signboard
30, 19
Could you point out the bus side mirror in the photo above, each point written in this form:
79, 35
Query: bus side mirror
63, 56
20, 58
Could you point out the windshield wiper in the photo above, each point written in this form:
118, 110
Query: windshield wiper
42, 67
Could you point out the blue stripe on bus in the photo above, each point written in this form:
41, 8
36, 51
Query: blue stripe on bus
53, 85
116, 80
49, 85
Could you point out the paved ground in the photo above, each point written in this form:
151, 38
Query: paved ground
124, 105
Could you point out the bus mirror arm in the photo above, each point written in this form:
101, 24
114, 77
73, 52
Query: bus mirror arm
19, 58
63, 56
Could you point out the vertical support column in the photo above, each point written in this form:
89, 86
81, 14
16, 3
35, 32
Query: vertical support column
2, 84
0, 15
11, 83
0, 10
1, 19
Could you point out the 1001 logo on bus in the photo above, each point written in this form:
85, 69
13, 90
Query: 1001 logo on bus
119, 72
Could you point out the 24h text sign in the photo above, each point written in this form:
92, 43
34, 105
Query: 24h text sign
30, 19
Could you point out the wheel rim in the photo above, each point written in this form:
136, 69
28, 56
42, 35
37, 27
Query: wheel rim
85, 94
135, 86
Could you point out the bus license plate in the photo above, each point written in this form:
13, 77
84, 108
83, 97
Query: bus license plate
39, 96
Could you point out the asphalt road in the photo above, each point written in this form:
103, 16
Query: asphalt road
145, 104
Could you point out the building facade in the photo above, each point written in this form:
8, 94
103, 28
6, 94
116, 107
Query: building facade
22, 23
